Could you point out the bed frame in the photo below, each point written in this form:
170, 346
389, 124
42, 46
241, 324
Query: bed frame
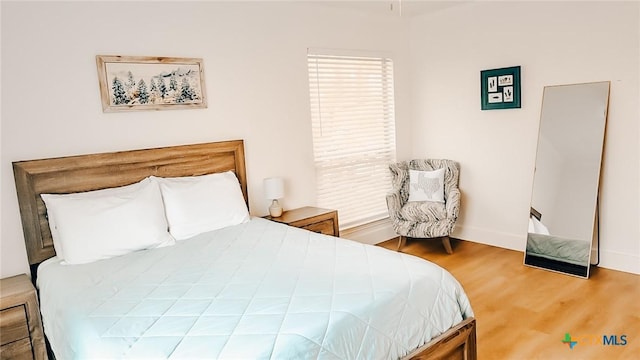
99, 171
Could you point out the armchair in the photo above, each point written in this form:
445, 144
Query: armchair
424, 219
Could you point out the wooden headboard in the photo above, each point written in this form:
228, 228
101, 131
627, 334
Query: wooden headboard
99, 171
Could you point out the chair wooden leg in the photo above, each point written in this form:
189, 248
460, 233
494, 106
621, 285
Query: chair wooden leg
447, 244
401, 242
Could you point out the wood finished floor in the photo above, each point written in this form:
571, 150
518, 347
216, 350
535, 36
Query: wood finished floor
524, 312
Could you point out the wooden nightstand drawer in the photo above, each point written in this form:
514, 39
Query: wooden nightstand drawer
21, 334
17, 350
311, 218
13, 324
323, 227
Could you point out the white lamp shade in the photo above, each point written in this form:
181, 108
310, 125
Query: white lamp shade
273, 188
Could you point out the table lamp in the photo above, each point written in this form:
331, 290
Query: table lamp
274, 190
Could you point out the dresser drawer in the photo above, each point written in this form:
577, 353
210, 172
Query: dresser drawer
323, 227
13, 324
17, 350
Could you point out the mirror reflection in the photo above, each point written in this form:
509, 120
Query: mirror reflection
566, 178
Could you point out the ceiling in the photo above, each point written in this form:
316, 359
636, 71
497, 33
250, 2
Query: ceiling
404, 8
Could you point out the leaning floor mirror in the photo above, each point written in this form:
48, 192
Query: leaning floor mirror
564, 200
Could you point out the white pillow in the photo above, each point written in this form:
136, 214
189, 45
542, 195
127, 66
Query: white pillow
53, 226
426, 185
537, 227
101, 224
197, 204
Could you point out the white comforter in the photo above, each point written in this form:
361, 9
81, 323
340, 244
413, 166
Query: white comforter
254, 291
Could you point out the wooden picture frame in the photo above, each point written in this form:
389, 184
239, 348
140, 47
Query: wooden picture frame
132, 83
500, 88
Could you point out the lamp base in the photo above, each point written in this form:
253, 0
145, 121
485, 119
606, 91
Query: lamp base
275, 210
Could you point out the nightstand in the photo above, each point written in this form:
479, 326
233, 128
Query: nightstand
315, 219
21, 335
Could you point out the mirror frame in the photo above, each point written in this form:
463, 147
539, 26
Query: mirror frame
558, 266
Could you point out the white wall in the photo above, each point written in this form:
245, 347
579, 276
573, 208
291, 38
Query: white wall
256, 76
255, 68
554, 43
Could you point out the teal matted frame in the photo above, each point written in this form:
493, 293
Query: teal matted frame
500, 88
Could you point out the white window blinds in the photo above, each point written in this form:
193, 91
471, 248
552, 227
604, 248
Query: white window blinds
353, 124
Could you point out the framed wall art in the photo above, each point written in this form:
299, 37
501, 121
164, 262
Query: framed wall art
500, 88
131, 83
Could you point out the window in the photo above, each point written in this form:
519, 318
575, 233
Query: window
353, 124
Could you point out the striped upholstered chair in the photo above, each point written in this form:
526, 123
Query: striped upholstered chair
424, 219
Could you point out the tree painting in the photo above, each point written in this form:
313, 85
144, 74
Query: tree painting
131, 82
146, 84
186, 93
143, 95
119, 94
173, 83
162, 87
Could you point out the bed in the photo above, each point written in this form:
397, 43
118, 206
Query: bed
256, 289
559, 248
555, 252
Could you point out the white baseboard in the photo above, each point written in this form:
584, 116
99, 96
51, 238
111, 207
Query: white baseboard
612, 260
372, 233
620, 261
382, 230
490, 237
